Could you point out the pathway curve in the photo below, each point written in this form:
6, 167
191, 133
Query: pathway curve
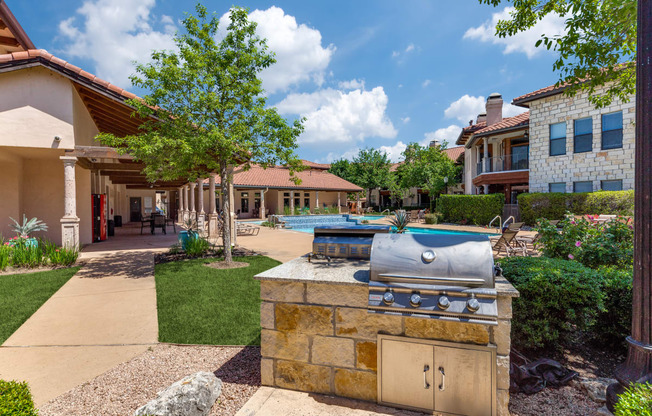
103, 316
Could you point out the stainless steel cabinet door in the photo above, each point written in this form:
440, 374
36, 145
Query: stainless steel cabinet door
463, 381
406, 374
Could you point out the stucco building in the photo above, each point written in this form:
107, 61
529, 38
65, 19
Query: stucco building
575, 147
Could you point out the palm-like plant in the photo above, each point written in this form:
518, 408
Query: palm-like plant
28, 227
400, 221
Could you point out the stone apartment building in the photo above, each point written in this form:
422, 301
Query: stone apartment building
575, 147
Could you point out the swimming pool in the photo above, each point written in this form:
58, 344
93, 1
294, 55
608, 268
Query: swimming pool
414, 230
367, 217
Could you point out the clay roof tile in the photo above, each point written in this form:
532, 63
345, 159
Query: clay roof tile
20, 55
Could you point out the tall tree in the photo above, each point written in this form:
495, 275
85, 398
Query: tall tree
209, 108
370, 170
426, 167
598, 48
342, 168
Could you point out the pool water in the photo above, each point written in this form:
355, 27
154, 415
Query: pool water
368, 217
414, 230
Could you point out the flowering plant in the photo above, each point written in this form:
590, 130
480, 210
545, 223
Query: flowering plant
28, 226
588, 241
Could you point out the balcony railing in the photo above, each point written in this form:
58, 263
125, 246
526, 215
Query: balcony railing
503, 163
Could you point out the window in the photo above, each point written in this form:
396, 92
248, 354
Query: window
612, 185
612, 130
244, 202
557, 187
297, 202
306, 202
584, 186
520, 157
583, 141
558, 139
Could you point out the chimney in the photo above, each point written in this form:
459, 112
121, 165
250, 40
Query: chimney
494, 108
434, 143
481, 117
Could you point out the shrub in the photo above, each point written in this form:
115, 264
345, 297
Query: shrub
15, 399
5, 253
197, 246
557, 297
590, 243
26, 255
364, 222
553, 206
613, 324
433, 218
474, 209
635, 401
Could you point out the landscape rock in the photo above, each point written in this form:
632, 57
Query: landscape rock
193, 395
603, 411
595, 388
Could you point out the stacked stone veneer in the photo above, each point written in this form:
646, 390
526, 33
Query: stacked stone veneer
572, 167
319, 337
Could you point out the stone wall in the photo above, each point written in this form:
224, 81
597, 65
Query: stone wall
595, 165
319, 337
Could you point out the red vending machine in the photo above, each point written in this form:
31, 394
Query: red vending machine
99, 217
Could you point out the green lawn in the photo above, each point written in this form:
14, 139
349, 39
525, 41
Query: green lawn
200, 305
22, 294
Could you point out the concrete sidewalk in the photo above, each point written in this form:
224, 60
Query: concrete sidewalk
103, 316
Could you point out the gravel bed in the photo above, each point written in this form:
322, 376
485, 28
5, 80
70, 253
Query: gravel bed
564, 401
123, 389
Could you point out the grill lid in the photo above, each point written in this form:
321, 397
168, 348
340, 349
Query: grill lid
447, 259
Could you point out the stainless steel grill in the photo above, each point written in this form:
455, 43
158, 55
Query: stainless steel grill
345, 241
447, 277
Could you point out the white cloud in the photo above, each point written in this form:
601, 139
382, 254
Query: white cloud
340, 117
409, 48
113, 34
352, 84
333, 156
298, 49
425, 83
466, 108
395, 54
552, 24
394, 152
447, 134
405, 120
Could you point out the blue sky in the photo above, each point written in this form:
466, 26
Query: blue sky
364, 73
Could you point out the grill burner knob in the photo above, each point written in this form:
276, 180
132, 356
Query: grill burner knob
415, 300
388, 298
473, 305
443, 302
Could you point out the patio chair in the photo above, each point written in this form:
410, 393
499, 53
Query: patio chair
144, 221
414, 215
504, 242
169, 221
523, 242
158, 221
515, 226
246, 229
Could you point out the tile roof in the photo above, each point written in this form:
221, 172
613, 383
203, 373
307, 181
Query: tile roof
454, 153
45, 58
279, 177
540, 93
468, 131
520, 120
314, 165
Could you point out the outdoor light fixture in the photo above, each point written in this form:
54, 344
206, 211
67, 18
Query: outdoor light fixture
57, 138
526, 135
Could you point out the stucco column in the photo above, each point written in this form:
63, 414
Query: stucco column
193, 207
291, 202
234, 234
70, 221
339, 203
213, 229
316, 199
262, 211
200, 204
486, 189
485, 151
180, 206
357, 205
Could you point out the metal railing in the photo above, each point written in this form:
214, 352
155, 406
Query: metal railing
500, 164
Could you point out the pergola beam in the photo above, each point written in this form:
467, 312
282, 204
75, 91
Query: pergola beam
8, 41
97, 152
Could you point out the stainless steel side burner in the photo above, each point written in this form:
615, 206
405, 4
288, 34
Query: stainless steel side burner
344, 241
444, 276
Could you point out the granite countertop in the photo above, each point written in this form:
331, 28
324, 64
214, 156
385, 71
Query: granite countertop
338, 271
342, 272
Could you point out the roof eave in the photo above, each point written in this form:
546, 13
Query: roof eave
504, 130
524, 101
14, 27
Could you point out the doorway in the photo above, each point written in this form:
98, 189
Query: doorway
135, 206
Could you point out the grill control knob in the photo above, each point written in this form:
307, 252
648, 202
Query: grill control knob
415, 300
388, 298
473, 305
443, 303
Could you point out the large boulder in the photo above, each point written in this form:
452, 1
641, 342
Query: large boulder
193, 395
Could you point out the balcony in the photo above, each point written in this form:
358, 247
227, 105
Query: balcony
504, 163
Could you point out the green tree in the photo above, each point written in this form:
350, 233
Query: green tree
426, 167
342, 168
206, 108
598, 48
370, 170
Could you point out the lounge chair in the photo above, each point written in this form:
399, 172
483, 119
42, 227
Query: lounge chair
246, 229
515, 226
504, 242
523, 242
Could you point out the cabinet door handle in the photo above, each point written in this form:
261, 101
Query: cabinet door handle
426, 368
442, 386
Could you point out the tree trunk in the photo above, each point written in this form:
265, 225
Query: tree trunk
225, 181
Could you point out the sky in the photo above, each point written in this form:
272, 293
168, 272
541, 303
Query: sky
364, 73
